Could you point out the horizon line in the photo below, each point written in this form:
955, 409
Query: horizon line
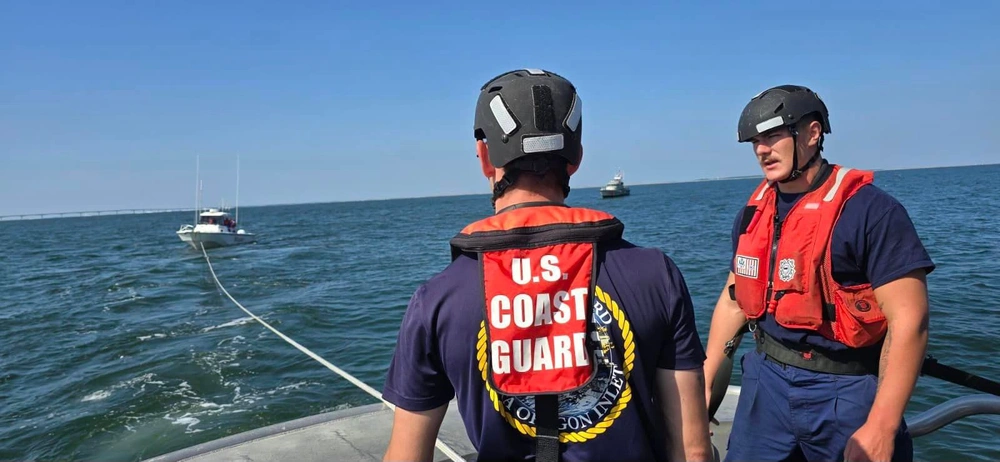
142, 210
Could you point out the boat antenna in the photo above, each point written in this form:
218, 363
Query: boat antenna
237, 189
197, 185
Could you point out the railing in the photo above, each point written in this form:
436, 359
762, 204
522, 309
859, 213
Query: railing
949, 411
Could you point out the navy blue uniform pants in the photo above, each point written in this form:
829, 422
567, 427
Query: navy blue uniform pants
787, 414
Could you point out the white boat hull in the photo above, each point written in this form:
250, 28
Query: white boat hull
214, 239
615, 192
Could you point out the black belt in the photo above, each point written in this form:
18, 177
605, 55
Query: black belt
851, 362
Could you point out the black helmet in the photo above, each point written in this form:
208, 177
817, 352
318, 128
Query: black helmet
529, 112
780, 106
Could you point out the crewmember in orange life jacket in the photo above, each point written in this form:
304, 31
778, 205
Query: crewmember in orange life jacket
559, 339
831, 275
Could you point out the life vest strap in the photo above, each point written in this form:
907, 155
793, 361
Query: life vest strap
547, 428
852, 362
536, 236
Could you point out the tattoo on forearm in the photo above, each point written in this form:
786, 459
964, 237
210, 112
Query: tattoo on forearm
884, 359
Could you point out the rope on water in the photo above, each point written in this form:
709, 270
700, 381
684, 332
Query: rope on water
350, 378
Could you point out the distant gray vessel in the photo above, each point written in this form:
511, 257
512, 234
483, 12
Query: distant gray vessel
616, 187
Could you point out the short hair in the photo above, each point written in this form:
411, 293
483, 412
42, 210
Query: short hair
807, 120
550, 168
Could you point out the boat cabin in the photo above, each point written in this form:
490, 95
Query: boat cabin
216, 217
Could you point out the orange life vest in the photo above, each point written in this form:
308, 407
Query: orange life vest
538, 268
783, 268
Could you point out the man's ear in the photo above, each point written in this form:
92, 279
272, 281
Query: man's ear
815, 132
570, 168
483, 153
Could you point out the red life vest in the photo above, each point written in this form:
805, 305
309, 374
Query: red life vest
538, 268
787, 274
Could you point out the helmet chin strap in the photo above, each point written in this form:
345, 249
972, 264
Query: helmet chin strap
501, 186
796, 170
538, 166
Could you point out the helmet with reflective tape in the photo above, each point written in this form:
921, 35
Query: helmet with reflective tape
529, 112
781, 106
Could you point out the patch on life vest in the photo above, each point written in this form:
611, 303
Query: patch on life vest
537, 314
589, 412
747, 266
786, 269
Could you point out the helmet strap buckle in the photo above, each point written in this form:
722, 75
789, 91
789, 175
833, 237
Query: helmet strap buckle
501, 186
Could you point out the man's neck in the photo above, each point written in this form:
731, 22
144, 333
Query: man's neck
802, 183
520, 196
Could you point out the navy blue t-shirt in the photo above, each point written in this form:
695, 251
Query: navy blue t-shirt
873, 241
640, 292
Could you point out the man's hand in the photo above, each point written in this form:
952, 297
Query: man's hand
870, 443
904, 303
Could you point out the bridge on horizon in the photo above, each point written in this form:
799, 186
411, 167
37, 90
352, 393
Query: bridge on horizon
90, 213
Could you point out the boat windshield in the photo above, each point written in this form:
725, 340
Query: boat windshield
214, 220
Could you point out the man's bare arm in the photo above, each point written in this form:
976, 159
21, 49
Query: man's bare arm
904, 302
727, 319
414, 434
684, 410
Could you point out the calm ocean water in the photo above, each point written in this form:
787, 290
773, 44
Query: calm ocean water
116, 345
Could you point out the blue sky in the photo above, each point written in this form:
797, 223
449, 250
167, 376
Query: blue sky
105, 105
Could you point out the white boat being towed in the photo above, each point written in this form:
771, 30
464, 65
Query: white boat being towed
215, 228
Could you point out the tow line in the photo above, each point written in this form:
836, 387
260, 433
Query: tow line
350, 378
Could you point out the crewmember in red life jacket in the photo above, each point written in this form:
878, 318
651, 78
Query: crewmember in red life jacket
831, 275
559, 339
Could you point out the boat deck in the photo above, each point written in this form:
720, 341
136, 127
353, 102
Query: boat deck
358, 434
